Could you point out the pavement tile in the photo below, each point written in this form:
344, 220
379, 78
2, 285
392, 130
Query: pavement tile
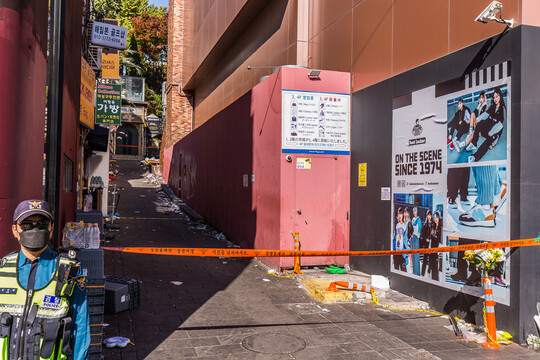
220, 350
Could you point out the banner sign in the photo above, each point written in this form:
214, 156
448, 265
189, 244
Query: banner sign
108, 104
315, 122
451, 178
88, 84
108, 35
110, 65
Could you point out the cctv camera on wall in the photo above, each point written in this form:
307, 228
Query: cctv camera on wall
490, 13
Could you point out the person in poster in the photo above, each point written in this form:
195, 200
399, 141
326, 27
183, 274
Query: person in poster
415, 240
408, 237
492, 194
458, 182
435, 237
490, 126
425, 240
400, 242
460, 124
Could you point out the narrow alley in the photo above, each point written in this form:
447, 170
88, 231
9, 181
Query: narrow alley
212, 308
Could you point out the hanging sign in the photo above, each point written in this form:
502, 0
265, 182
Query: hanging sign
88, 83
107, 35
108, 104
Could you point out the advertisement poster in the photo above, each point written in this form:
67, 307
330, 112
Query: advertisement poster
108, 104
315, 122
451, 178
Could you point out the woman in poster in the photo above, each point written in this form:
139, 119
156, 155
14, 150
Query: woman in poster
415, 240
435, 237
490, 125
400, 241
425, 238
408, 238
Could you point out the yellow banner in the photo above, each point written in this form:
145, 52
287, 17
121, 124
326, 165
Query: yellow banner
88, 84
110, 65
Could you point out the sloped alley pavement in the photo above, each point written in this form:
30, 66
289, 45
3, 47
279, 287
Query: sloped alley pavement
224, 307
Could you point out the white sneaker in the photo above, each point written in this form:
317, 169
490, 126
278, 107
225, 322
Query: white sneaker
494, 142
470, 147
478, 216
500, 199
471, 159
457, 145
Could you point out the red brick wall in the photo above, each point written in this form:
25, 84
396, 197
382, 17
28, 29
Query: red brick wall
179, 110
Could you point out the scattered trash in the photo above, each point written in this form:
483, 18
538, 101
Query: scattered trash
533, 341
380, 282
105, 324
224, 262
323, 309
266, 280
116, 341
177, 283
257, 278
271, 271
335, 270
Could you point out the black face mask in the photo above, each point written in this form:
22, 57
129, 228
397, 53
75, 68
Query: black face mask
35, 239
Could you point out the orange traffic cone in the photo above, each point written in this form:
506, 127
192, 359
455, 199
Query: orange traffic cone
350, 286
489, 305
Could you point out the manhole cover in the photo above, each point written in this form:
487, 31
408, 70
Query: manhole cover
273, 343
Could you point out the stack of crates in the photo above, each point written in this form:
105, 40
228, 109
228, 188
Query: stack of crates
134, 289
92, 262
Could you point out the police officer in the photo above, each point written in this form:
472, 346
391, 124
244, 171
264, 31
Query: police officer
44, 313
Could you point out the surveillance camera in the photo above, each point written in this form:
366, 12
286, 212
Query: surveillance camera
249, 67
288, 158
490, 13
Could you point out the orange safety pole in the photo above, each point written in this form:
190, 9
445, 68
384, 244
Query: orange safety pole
350, 286
297, 269
489, 304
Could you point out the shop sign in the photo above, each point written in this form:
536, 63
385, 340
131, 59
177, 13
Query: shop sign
315, 122
110, 65
132, 114
107, 35
108, 104
88, 84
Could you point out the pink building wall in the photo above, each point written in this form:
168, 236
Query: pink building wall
245, 140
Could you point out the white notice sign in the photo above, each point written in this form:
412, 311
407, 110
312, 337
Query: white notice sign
107, 35
315, 122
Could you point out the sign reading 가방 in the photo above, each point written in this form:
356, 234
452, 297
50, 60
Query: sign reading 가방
108, 104
315, 122
108, 35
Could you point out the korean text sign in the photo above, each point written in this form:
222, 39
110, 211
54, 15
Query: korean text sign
108, 35
88, 83
108, 104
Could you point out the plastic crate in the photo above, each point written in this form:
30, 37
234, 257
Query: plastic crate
92, 262
134, 287
96, 319
96, 338
99, 281
96, 329
96, 310
94, 348
95, 300
95, 356
93, 291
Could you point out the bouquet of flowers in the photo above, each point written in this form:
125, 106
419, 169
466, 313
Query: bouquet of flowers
485, 260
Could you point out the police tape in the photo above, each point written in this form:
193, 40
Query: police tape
214, 252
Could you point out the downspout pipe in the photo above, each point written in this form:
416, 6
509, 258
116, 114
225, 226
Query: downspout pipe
55, 81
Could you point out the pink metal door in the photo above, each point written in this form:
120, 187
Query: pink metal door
315, 206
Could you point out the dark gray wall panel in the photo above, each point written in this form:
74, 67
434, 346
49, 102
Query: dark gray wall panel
371, 142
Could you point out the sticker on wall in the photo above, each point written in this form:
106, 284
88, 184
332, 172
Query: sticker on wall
245, 180
303, 163
362, 174
315, 122
451, 177
385, 194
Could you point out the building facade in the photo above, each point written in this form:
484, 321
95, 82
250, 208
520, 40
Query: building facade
417, 70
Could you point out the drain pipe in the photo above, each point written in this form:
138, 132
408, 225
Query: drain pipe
55, 81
